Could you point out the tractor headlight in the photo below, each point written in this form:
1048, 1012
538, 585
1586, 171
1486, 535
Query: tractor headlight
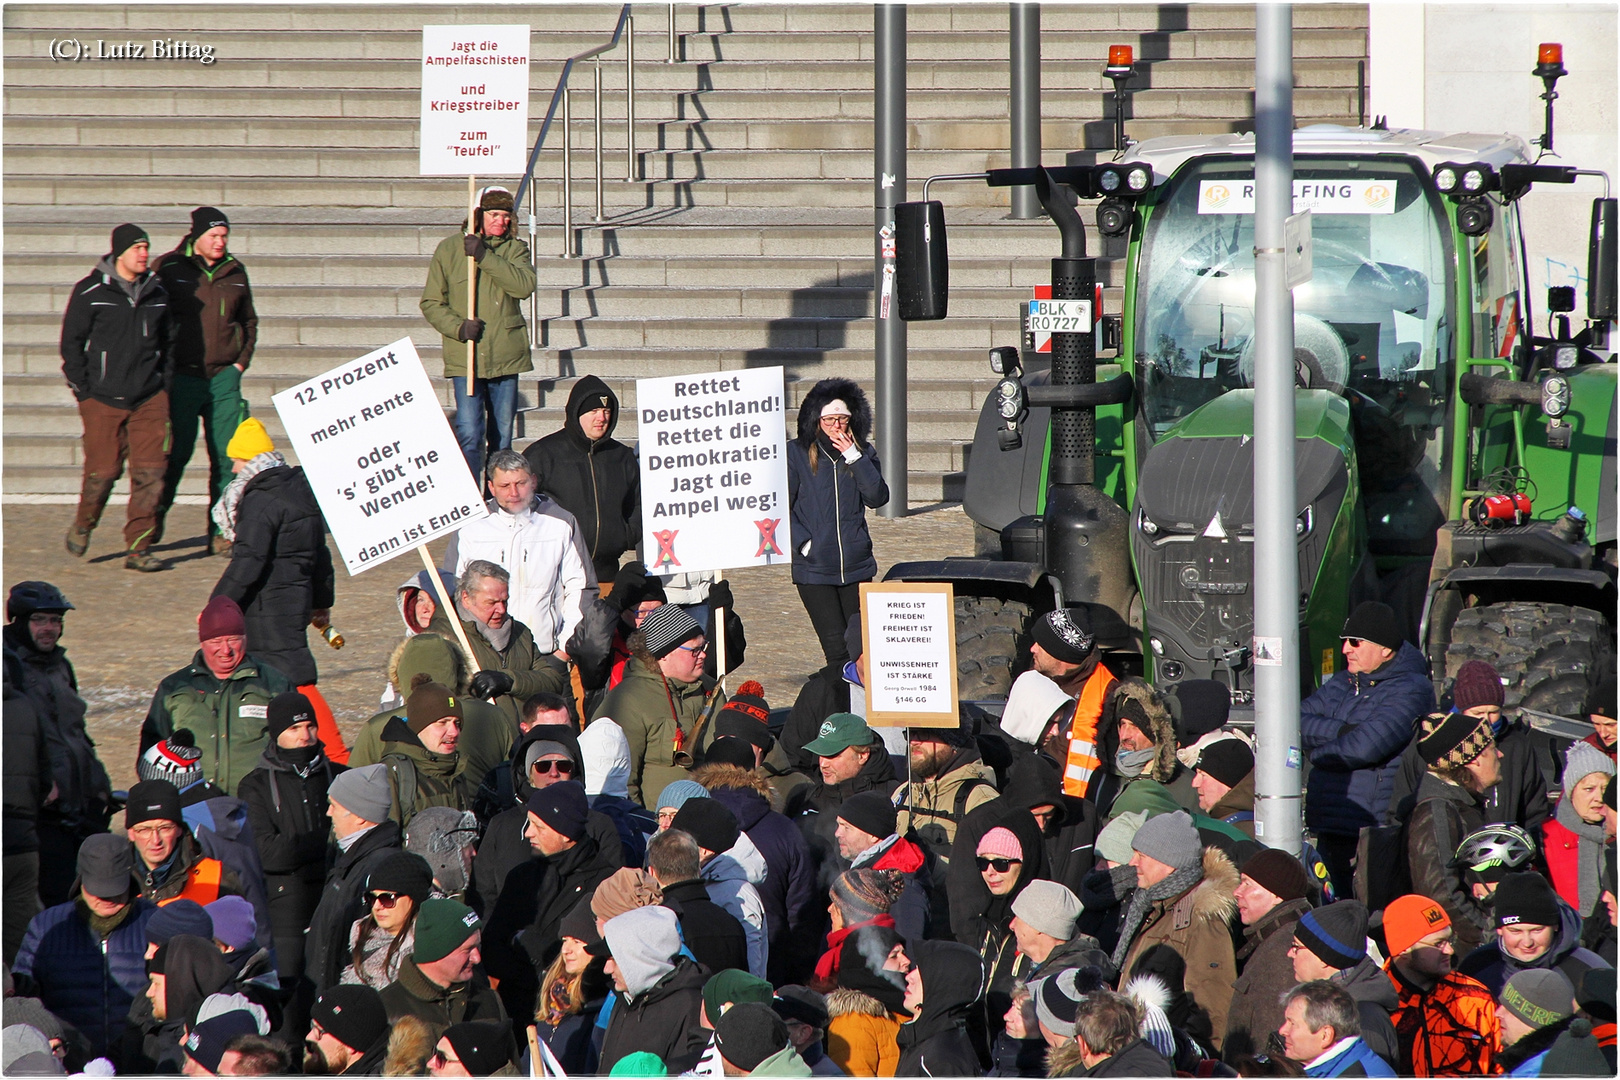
1445, 179
1109, 179
1139, 178
1114, 217
1474, 216
1009, 398
1566, 357
1555, 396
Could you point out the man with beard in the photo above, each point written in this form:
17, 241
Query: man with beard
948, 780
348, 1033
1065, 650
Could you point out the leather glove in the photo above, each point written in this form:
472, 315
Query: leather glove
629, 584
488, 685
720, 597
471, 330
473, 245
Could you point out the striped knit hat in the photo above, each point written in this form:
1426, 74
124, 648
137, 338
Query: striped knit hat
1452, 740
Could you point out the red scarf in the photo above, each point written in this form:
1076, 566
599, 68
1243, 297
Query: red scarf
827, 966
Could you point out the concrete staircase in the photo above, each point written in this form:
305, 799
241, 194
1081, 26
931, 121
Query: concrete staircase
747, 243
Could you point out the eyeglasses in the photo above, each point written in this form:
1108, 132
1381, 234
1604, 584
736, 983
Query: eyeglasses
1000, 866
151, 832
385, 899
695, 650
554, 768
841, 421
440, 1059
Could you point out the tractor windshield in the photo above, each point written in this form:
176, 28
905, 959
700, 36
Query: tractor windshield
1374, 322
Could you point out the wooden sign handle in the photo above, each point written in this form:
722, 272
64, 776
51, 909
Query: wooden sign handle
472, 282
449, 608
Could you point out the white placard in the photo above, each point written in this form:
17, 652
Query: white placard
475, 100
380, 455
713, 470
909, 635
1236, 196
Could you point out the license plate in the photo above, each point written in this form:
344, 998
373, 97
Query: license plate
1060, 316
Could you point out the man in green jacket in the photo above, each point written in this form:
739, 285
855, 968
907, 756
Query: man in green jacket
223, 696
216, 328
512, 669
505, 279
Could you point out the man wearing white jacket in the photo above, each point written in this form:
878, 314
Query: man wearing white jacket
731, 866
539, 545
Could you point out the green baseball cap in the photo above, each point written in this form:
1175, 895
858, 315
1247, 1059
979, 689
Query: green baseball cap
838, 733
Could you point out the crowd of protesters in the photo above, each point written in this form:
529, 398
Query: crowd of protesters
560, 847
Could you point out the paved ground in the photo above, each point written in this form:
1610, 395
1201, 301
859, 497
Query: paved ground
128, 630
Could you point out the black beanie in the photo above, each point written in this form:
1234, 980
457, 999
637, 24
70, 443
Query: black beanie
1335, 934
731, 750
730, 724
353, 1014
871, 812
403, 873
288, 709
709, 822
153, 800
207, 217
1201, 706
1601, 702
127, 236
1526, 898
482, 1045
1279, 873
1227, 760
1065, 635
563, 806
1375, 622
748, 1033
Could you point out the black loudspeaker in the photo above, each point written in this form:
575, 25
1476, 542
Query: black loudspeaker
921, 263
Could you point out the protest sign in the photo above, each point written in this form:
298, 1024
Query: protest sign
380, 455
475, 100
908, 630
713, 471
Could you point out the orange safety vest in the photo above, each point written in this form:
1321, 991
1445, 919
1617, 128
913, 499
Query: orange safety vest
202, 883
1082, 761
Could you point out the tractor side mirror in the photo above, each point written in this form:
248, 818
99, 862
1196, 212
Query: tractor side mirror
921, 263
1600, 262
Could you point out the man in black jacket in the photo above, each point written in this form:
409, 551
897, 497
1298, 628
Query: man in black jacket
117, 356
592, 475
661, 991
567, 866
27, 782
1331, 943
713, 934
348, 1033
360, 800
852, 759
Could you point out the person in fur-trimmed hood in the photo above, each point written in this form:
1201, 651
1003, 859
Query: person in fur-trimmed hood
1185, 898
833, 477
1144, 734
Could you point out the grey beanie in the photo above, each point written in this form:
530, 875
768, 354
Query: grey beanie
1057, 1001
1048, 907
667, 627
541, 747
1114, 842
31, 1011
1171, 839
1581, 760
1539, 996
25, 1051
364, 792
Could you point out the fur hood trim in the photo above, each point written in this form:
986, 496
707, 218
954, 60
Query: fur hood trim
410, 1044
730, 776
462, 678
1142, 699
1214, 898
1148, 991
1065, 1060
845, 1002
860, 420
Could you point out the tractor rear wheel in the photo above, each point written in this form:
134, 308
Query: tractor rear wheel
992, 638
1550, 655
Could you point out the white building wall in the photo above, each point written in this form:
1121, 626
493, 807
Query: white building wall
1466, 67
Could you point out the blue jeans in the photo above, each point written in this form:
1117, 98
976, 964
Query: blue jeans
493, 410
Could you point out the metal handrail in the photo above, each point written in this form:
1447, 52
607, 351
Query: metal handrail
559, 94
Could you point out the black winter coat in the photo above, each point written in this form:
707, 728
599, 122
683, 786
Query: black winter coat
280, 569
1137, 1059
1444, 814
713, 934
326, 944
289, 818
936, 1042
598, 482
27, 767
662, 1021
117, 338
48, 681
828, 502
1375, 999
824, 694
521, 933
1494, 967
1519, 798
814, 808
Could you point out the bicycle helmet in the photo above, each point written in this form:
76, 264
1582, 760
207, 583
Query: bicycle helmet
28, 597
1494, 851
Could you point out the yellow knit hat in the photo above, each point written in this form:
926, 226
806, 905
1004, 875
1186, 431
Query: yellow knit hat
250, 441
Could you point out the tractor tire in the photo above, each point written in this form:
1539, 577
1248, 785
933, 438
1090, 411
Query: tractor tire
992, 637
1550, 655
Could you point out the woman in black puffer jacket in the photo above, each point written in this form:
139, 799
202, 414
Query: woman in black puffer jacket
833, 477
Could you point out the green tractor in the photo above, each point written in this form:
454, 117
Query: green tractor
1455, 453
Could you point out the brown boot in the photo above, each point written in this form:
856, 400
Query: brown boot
78, 541
145, 562
218, 545
93, 494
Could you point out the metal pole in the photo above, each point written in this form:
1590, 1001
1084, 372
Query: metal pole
568, 173
671, 59
596, 117
1024, 43
534, 260
889, 188
630, 98
1276, 590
